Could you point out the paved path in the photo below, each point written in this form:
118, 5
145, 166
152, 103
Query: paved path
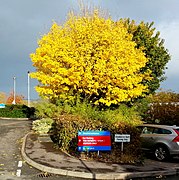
41, 154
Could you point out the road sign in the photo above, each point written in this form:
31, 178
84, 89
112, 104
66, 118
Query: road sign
122, 138
94, 141
2, 105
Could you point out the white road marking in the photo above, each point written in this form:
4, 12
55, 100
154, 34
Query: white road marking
18, 173
20, 164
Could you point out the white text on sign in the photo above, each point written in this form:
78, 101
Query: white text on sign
122, 138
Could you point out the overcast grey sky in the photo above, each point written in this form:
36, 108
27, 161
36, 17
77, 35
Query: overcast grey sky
22, 22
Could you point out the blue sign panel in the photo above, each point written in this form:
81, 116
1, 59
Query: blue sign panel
93, 133
2, 105
94, 148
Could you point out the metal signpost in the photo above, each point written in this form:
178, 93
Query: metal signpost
94, 141
28, 88
14, 93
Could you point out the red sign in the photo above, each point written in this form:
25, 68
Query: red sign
94, 141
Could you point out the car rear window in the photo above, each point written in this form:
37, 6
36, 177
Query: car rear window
154, 130
161, 131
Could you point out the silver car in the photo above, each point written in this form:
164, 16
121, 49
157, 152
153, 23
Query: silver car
161, 140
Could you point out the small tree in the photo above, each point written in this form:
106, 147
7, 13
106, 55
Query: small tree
164, 108
18, 99
165, 97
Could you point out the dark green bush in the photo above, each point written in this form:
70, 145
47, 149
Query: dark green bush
17, 111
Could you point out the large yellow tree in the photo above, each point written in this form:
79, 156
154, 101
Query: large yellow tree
91, 56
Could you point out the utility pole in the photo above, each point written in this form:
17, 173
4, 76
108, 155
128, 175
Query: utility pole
14, 82
28, 88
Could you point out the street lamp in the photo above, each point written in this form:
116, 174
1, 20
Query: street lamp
14, 82
28, 88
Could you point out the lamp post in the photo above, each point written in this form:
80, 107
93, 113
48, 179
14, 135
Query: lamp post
14, 82
28, 88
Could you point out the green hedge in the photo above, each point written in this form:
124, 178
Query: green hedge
17, 111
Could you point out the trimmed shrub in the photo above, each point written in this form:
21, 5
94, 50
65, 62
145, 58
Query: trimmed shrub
71, 117
42, 126
65, 135
17, 111
123, 113
45, 109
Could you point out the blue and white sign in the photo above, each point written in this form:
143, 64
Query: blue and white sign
93, 133
94, 141
122, 138
2, 105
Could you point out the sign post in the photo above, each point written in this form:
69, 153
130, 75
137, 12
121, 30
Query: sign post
122, 138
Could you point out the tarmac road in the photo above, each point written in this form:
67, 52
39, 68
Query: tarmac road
12, 166
11, 133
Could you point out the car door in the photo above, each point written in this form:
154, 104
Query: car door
147, 138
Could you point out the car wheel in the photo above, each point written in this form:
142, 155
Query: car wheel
161, 153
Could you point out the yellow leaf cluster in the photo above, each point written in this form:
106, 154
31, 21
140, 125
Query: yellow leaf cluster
90, 55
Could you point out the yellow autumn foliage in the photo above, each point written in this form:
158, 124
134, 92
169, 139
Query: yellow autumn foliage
91, 56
